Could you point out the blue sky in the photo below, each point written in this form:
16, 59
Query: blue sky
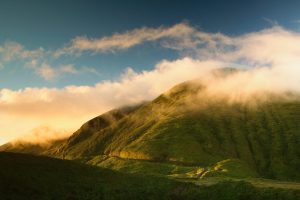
53, 24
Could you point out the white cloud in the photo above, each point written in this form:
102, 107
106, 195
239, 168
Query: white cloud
120, 41
37, 60
179, 37
13, 50
49, 72
46, 71
69, 69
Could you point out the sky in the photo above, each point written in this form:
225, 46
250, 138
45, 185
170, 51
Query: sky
64, 62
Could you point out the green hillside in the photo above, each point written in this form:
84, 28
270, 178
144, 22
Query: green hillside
36, 177
185, 129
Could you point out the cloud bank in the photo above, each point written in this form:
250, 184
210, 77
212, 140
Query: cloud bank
269, 59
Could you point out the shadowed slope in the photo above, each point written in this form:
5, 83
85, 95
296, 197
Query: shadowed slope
36, 177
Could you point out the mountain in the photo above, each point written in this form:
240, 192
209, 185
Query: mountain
187, 133
24, 176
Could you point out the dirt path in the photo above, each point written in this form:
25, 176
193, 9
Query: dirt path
257, 182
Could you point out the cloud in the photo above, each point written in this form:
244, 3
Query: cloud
131, 88
180, 33
270, 58
12, 50
69, 69
49, 73
190, 41
43, 135
69, 107
46, 71
37, 60
179, 37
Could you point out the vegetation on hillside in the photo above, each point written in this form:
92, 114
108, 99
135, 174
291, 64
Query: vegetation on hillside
185, 127
36, 177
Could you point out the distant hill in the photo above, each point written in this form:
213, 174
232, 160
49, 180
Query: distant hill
91, 126
32, 148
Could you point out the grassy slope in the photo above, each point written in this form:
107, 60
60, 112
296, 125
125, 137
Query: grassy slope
180, 128
34, 177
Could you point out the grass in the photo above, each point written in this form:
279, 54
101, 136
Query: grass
229, 168
140, 166
30, 177
37, 177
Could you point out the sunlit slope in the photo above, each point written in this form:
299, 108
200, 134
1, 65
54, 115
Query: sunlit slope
79, 142
187, 128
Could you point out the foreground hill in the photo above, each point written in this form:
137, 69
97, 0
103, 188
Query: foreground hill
36, 177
